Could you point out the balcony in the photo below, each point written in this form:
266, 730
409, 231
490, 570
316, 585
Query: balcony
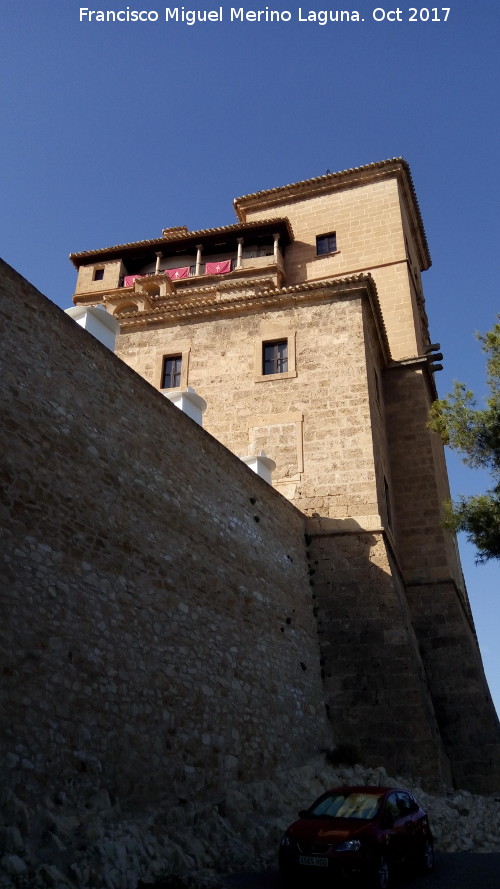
182, 260
255, 259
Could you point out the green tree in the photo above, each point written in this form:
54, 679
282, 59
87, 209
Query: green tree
475, 434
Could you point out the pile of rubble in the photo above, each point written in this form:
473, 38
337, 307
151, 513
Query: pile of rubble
54, 846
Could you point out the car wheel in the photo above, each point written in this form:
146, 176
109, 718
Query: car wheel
428, 856
382, 874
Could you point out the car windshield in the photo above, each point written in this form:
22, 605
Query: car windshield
346, 805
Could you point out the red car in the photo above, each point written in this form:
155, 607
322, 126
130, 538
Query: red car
352, 832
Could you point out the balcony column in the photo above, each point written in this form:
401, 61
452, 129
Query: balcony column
199, 248
239, 255
276, 247
158, 258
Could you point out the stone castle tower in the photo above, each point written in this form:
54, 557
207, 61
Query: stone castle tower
303, 326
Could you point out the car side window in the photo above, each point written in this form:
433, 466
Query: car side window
391, 811
405, 804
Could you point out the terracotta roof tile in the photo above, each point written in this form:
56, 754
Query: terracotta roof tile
328, 179
183, 236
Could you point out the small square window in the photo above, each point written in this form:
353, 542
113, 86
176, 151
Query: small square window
98, 274
275, 357
326, 244
171, 377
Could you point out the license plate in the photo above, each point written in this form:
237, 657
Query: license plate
311, 861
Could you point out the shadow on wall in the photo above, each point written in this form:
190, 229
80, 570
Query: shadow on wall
376, 688
156, 612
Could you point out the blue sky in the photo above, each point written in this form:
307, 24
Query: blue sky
111, 132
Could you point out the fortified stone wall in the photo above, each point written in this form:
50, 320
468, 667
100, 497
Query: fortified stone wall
157, 636
375, 683
158, 632
346, 423
438, 602
426, 551
353, 451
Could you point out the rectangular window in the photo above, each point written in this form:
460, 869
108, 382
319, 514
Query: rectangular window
274, 354
98, 274
326, 244
171, 377
275, 357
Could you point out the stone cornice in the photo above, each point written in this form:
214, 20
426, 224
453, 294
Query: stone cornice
419, 362
297, 191
246, 295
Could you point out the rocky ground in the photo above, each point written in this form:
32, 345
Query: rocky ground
101, 847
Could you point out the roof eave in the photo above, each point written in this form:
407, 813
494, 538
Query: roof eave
120, 249
296, 191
